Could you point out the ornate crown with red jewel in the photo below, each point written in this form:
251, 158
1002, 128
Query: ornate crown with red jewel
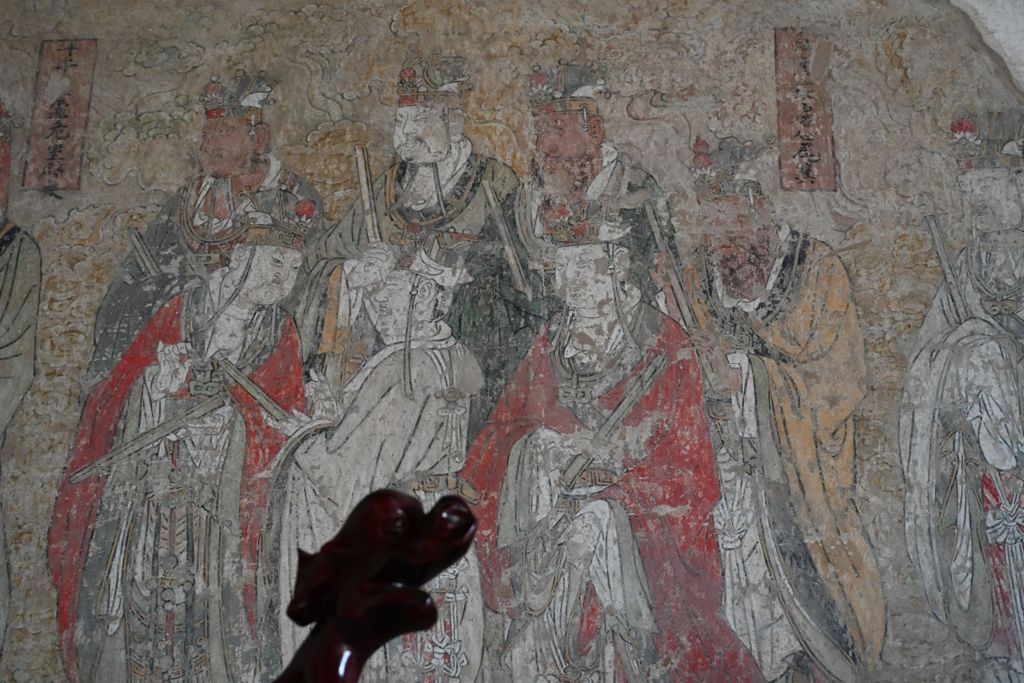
435, 78
991, 140
244, 97
287, 227
566, 88
715, 171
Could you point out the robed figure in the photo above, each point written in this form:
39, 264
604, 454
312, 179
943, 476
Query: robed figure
155, 536
241, 183
961, 428
581, 181
403, 425
446, 197
20, 282
787, 360
598, 481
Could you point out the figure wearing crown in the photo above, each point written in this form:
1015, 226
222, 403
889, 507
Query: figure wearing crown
240, 184
776, 315
581, 186
596, 469
961, 431
435, 197
158, 523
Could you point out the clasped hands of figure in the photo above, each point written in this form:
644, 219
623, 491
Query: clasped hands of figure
171, 372
709, 343
173, 364
598, 474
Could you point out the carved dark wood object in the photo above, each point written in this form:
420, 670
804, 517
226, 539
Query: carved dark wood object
364, 586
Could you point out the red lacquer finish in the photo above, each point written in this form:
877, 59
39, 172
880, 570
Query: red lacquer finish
364, 586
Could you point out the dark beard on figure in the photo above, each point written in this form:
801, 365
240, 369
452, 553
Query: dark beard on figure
551, 193
747, 272
415, 149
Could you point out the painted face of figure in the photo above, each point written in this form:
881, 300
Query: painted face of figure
742, 243
568, 157
388, 304
583, 275
993, 199
422, 135
271, 275
230, 146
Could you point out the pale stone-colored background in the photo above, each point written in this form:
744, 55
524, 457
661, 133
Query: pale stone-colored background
900, 72
1001, 24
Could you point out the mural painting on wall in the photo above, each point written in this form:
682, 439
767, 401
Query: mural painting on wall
20, 277
194, 360
462, 330
806, 149
960, 429
776, 315
659, 443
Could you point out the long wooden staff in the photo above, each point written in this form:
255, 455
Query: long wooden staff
370, 222
956, 295
168, 427
516, 268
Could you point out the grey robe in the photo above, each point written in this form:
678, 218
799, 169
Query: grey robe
20, 276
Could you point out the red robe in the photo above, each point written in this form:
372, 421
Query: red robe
668, 491
77, 504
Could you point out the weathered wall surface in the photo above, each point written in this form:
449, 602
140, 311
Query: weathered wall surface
899, 72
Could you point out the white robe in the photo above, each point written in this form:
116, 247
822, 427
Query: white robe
386, 439
963, 382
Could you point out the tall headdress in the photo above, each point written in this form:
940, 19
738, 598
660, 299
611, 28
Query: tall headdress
991, 140
434, 78
715, 171
595, 226
566, 88
244, 97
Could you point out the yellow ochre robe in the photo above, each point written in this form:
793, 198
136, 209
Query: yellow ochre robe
806, 361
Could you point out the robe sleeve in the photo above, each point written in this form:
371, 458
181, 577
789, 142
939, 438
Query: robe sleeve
987, 381
134, 297
19, 307
821, 347
515, 415
281, 378
77, 504
813, 385
669, 493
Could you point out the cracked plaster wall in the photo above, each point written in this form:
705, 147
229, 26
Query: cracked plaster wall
901, 70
